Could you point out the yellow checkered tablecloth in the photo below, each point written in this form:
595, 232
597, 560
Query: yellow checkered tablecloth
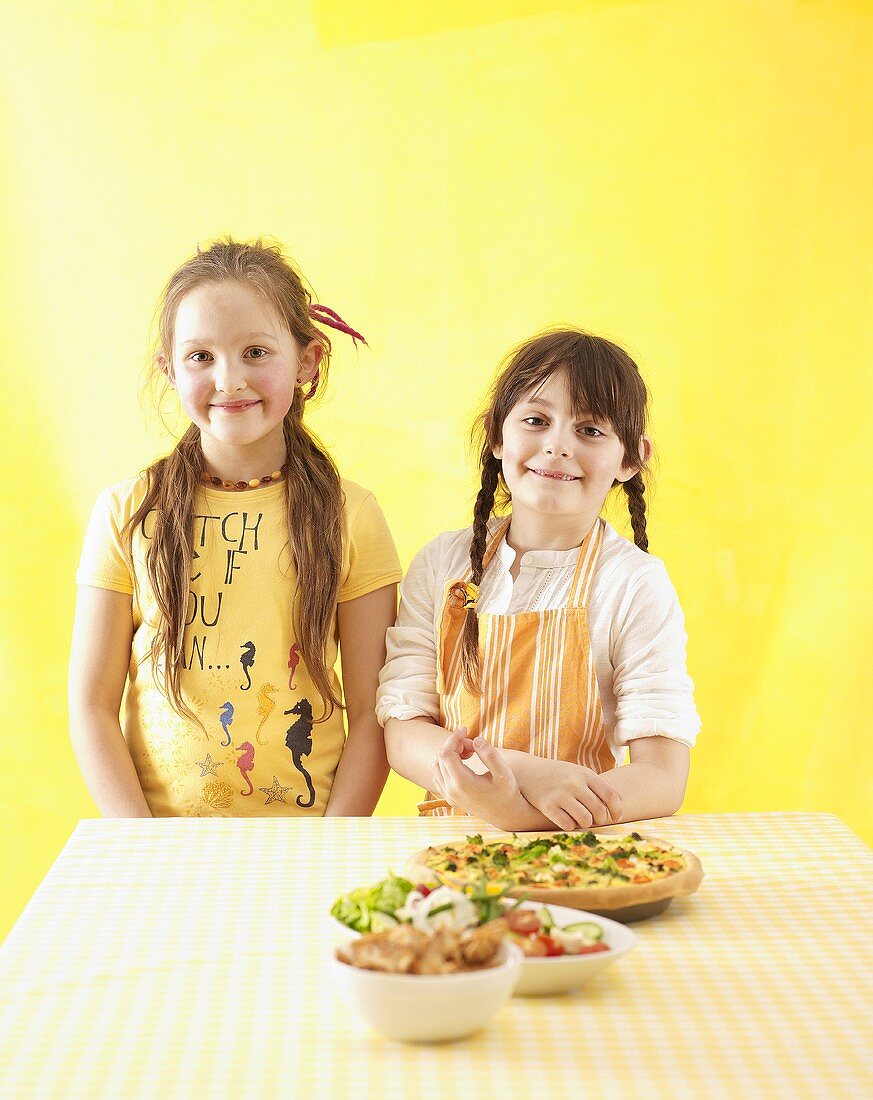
186, 958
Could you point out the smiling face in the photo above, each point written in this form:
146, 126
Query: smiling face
236, 367
558, 461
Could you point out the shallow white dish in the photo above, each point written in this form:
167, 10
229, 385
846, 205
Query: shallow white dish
424, 1008
564, 973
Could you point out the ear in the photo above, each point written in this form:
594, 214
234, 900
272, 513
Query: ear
498, 452
164, 366
309, 362
627, 472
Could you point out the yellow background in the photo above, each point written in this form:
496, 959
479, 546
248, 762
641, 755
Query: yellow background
687, 178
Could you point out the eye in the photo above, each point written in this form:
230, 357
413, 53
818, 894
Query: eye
591, 432
257, 353
534, 421
196, 354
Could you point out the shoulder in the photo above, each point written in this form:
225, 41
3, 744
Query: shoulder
443, 553
123, 498
447, 555
361, 511
354, 495
370, 558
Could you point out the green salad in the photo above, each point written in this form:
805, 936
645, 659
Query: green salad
365, 909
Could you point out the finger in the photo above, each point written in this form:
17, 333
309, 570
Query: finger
453, 770
461, 744
561, 819
493, 759
442, 782
450, 746
597, 811
607, 794
582, 816
466, 749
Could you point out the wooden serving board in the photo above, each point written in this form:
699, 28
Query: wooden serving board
626, 903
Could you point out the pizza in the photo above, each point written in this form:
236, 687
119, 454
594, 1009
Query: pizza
583, 870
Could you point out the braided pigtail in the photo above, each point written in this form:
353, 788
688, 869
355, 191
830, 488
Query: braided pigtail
481, 515
636, 505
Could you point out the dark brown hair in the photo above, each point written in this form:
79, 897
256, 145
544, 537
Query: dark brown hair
603, 380
313, 490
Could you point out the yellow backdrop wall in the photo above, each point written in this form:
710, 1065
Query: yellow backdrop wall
689, 179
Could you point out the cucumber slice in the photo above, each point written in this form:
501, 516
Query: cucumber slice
587, 928
381, 922
545, 919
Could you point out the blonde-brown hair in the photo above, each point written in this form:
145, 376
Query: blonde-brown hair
603, 380
313, 490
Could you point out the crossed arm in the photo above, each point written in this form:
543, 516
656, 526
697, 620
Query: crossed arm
518, 791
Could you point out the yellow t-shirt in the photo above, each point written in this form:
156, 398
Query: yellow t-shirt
260, 753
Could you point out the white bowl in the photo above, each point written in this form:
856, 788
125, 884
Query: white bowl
543, 977
425, 1008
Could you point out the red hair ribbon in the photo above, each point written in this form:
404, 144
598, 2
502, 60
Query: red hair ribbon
326, 316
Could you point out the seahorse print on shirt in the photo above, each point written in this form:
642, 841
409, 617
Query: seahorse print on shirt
266, 706
245, 764
293, 662
225, 718
299, 741
247, 660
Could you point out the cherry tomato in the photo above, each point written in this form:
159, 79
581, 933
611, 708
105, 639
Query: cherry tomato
591, 948
551, 947
523, 920
531, 946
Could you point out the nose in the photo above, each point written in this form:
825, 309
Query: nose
555, 444
229, 377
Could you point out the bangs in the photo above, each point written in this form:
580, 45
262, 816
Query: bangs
601, 377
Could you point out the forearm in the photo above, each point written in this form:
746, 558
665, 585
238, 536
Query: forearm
641, 789
412, 745
361, 773
646, 790
106, 764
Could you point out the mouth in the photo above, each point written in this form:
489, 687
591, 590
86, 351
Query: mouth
234, 406
553, 475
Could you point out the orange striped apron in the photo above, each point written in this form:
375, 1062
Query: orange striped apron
539, 691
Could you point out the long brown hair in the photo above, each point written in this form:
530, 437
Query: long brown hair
602, 379
313, 490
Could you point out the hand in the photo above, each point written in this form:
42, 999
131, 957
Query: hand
465, 751
570, 795
494, 796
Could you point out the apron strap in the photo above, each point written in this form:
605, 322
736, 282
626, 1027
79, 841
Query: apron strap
589, 552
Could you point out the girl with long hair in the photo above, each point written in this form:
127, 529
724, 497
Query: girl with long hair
216, 587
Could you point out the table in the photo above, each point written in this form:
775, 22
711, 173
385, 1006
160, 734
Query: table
186, 958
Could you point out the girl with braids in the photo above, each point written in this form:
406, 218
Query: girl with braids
239, 556
533, 649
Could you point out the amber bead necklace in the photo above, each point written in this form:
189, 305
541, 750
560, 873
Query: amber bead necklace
240, 486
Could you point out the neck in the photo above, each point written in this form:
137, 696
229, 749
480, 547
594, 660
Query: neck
243, 463
535, 531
